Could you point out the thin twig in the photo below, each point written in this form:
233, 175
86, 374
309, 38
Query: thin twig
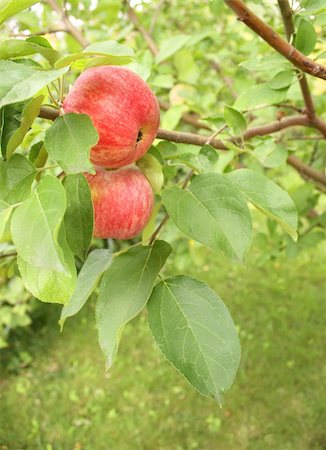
166, 215
69, 27
146, 35
156, 16
226, 79
40, 33
307, 171
286, 13
216, 133
159, 228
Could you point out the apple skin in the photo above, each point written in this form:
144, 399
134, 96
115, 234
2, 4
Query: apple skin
124, 111
123, 201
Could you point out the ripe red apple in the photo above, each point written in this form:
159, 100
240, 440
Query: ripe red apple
123, 201
123, 109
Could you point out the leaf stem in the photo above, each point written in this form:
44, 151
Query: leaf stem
51, 96
124, 250
40, 169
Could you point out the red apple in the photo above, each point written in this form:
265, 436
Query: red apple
123, 109
123, 201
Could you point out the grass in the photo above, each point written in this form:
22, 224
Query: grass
63, 400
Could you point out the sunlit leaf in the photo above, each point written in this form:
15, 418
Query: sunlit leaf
268, 197
16, 178
96, 263
19, 82
213, 212
124, 291
196, 334
30, 112
69, 140
79, 215
9, 8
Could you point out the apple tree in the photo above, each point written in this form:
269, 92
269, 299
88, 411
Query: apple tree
240, 110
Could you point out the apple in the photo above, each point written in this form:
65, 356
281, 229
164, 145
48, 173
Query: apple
123, 109
123, 201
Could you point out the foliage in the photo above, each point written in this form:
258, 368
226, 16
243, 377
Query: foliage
277, 400
16, 304
200, 187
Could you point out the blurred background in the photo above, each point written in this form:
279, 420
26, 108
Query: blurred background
55, 393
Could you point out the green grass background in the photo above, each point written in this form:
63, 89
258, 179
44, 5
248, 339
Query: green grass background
64, 400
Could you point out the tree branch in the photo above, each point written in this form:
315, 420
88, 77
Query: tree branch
40, 33
307, 171
289, 31
274, 127
287, 18
275, 40
48, 113
195, 139
74, 31
156, 16
227, 80
148, 38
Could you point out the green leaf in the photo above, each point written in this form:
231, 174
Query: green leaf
306, 37
260, 95
29, 114
9, 8
268, 197
10, 120
217, 6
163, 81
5, 213
17, 48
187, 69
224, 159
124, 291
46, 284
270, 154
172, 116
19, 82
268, 63
152, 170
39, 40
79, 215
235, 119
312, 7
196, 334
111, 52
44, 260
16, 178
213, 212
200, 162
69, 140
38, 155
96, 263
42, 214
171, 46
281, 80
